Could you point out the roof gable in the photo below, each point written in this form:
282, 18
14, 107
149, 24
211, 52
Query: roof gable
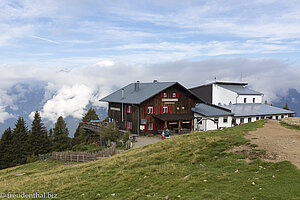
144, 92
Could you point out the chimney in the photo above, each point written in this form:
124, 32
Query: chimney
122, 93
155, 81
137, 86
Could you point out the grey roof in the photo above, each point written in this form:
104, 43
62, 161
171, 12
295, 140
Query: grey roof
240, 89
255, 109
145, 91
210, 110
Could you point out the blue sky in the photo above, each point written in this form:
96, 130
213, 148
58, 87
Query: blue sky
84, 49
75, 33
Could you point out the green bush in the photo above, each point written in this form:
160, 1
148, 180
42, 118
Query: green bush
31, 158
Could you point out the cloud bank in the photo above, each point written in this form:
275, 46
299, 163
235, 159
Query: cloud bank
69, 91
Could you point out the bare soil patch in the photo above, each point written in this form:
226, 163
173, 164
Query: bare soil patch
292, 120
279, 142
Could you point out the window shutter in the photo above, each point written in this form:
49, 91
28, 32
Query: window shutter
154, 109
146, 110
130, 109
177, 94
154, 126
169, 109
125, 109
125, 124
162, 94
146, 127
161, 109
130, 125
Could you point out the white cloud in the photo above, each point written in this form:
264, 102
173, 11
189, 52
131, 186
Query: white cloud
68, 92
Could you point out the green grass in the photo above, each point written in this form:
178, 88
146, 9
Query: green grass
91, 148
290, 126
191, 166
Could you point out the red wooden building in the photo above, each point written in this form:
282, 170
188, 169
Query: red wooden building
146, 108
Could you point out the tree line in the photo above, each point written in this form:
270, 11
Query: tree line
22, 145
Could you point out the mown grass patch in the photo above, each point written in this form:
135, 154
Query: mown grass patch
191, 166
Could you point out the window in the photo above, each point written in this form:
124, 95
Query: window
165, 109
182, 107
128, 125
175, 94
150, 126
277, 117
249, 119
216, 120
129, 109
245, 100
282, 116
225, 119
150, 109
199, 121
178, 108
253, 100
257, 118
164, 95
242, 120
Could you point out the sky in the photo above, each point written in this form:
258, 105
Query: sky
84, 49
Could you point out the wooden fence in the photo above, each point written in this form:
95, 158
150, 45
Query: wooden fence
81, 156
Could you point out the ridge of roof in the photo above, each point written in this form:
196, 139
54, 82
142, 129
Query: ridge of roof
221, 83
146, 91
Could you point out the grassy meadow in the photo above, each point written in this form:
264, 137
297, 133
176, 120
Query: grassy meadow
191, 166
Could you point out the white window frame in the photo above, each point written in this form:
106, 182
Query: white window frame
165, 95
150, 109
165, 109
174, 95
242, 119
128, 109
225, 120
150, 126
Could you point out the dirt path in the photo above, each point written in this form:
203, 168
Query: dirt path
279, 142
143, 140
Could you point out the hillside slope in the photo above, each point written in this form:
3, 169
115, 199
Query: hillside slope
191, 166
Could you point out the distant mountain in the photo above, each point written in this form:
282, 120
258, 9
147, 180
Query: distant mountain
292, 99
29, 97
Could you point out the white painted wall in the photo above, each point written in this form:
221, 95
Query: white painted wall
249, 98
254, 118
208, 123
224, 96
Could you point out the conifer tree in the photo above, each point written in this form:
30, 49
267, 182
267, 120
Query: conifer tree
6, 155
90, 115
81, 135
61, 141
286, 107
38, 139
20, 147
